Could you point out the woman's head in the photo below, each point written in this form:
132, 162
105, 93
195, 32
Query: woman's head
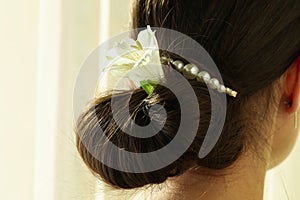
254, 44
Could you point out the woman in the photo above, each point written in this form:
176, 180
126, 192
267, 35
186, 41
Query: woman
256, 46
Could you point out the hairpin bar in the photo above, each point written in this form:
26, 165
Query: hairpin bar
191, 71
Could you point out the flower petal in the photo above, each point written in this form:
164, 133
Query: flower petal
147, 38
138, 61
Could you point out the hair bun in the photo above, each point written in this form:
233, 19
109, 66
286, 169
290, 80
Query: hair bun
160, 111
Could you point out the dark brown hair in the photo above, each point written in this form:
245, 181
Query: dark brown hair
252, 42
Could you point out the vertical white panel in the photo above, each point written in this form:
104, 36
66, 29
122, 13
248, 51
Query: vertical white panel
119, 16
79, 37
104, 19
68, 32
47, 97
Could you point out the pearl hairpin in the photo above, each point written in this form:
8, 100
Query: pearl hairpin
191, 71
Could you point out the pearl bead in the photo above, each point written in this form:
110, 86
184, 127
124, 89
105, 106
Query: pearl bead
221, 88
214, 83
187, 71
194, 70
188, 67
178, 65
203, 76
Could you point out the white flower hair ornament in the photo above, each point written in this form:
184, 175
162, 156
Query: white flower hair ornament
138, 63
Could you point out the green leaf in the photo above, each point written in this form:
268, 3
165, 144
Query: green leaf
148, 85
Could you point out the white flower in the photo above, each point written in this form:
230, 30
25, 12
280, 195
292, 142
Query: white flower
138, 62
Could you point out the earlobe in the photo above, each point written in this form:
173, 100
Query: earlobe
292, 86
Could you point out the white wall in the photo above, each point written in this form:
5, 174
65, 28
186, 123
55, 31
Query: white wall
18, 49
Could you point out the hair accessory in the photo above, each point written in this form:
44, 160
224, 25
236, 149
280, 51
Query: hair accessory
141, 58
191, 71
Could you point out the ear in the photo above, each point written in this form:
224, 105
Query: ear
292, 87
285, 133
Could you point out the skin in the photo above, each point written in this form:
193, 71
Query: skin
285, 135
245, 179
